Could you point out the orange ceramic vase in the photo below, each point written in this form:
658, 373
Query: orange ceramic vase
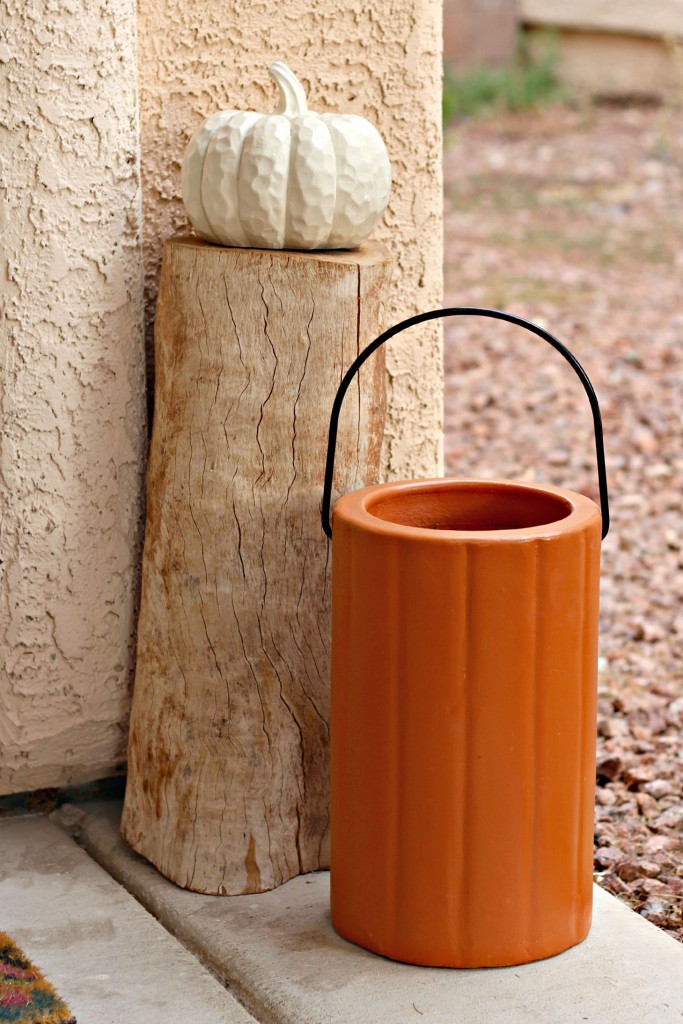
464, 654
463, 709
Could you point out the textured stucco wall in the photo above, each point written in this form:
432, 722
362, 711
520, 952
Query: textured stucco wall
72, 446
612, 63
662, 18
380, 60
612, 47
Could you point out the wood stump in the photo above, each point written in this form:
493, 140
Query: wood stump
228, 753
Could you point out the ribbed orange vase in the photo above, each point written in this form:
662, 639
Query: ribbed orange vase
464, 654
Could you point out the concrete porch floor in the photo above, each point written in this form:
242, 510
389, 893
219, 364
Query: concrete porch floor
274, 958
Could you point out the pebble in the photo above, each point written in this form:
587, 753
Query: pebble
655, 911
609, 767
608, 857
651, 885
629, 871
638, 776
648, 806
613, 884
605, 797
658, 788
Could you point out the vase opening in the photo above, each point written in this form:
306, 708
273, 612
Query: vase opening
470, 505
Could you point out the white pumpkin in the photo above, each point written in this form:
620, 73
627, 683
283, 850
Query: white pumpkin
289, 180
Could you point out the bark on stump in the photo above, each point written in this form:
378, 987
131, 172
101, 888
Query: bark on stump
228, 754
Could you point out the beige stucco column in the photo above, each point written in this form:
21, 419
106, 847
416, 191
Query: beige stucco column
381, 60
72, 408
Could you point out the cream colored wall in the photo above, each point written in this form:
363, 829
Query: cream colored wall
614, 63
72, 385
612, 47
639, 17
71, 388
380, 60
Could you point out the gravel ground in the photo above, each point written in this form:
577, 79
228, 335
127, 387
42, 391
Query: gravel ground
574, 219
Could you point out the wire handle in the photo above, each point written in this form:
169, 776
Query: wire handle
493, 314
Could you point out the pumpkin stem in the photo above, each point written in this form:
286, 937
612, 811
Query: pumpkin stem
292, 96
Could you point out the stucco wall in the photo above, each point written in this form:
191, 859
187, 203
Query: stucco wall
71, 388
613, 63
72, 401
641, 17
380, 60
611, 47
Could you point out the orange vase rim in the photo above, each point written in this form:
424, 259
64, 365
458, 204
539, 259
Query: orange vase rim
445, 509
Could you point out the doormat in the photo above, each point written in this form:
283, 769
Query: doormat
25, 996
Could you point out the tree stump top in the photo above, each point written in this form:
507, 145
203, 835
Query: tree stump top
369, 253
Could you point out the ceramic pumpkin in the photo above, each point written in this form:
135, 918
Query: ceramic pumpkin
288, 180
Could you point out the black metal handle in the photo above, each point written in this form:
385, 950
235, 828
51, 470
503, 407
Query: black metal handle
493, 314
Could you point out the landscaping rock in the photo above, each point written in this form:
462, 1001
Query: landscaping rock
587, 242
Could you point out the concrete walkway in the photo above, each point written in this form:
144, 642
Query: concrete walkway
280, 956
107, 957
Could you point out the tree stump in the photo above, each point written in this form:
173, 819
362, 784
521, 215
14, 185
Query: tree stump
228, 753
